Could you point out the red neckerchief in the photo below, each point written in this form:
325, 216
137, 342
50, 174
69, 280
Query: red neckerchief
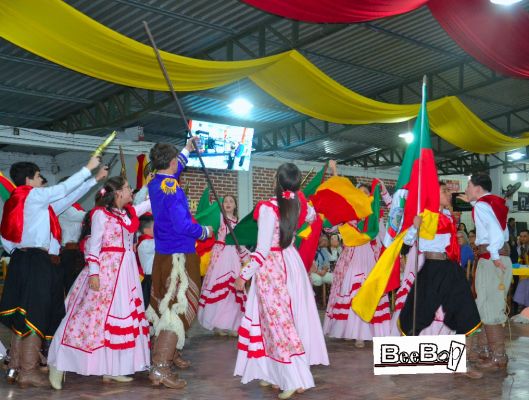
498, 206
446, 225
77, 206
12, 225
134, 220
144, 237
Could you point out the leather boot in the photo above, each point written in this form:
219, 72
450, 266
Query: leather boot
472, 348
43, 363
179, 362
483, 344
478, 348
498, 356
472, 358
162, 357
29, 361
13, 367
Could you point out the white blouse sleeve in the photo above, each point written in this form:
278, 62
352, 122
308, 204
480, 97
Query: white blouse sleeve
386, 197
93, 245
311, 214
265, 235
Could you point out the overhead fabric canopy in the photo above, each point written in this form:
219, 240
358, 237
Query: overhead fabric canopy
73, 40
336, 11
494, 35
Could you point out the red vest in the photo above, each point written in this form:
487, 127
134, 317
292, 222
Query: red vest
12, 224
498, 206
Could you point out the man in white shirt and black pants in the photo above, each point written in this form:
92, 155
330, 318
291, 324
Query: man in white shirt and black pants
494, 270
32, 304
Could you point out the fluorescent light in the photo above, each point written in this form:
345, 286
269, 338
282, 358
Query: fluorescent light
241, 106
408, 137
526, 184
505, 2
516, 156
513, 176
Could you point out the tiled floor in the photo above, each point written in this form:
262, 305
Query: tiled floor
350, 376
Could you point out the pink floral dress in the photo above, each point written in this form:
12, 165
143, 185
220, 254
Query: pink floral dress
105, 332
280, 334
221, 306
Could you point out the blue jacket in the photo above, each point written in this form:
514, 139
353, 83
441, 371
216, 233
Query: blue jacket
174, 230
466, 255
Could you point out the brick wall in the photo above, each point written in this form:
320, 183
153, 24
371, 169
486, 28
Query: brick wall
263, 183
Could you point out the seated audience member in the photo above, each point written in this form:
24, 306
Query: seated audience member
320, 268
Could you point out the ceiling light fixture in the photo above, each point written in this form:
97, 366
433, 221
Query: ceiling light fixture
241, 106
516, 156
505, 2
408, 137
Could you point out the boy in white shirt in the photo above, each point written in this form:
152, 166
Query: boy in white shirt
32, 304
146, 255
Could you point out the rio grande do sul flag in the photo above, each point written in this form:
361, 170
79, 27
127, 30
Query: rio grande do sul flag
416, 192
419, 158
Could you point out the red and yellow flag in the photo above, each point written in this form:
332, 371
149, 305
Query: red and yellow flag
367, 229
340, 201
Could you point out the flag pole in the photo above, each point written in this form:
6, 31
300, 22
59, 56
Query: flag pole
306, 177
423, 110
182, 114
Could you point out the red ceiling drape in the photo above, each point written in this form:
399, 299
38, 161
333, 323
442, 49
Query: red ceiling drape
336, 11
496, 36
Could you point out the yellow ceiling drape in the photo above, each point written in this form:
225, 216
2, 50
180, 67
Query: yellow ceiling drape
56, 31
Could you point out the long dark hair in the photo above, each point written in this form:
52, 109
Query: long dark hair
86, 227
105, 197
236, 209
288, 177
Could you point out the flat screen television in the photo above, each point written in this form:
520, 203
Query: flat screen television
223, 146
